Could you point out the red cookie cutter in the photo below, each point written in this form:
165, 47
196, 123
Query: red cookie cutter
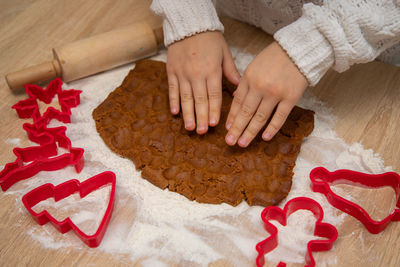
29, 107
42, 135
322, 178
43, 157
321, 229
66, 189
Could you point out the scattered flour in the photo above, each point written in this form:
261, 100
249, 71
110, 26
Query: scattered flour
13, 141
154, 226
294, 246
86, 212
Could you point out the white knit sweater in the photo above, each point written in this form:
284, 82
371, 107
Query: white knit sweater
317, 35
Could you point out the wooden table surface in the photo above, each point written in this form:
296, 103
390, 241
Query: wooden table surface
365, 99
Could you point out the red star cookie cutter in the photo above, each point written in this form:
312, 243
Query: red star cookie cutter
321, 179
29, 107
66, 189
321, 229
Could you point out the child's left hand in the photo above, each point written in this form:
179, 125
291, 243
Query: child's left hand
271, 80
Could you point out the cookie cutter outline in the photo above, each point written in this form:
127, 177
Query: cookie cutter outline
321, 179
66, 189
41, 157
29, 108
16, 171
321, 229
47, 138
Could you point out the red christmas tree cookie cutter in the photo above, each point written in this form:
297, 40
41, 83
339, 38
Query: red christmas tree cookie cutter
321, 179
321, 229
66, 189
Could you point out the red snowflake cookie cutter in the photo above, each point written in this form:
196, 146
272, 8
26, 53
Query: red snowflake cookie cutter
66, 189
322, 229
321, 179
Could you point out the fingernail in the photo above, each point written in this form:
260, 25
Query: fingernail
201, 128
267, 136
228, 125
230, 139
243, 141
213, 121
174, 110
188, 125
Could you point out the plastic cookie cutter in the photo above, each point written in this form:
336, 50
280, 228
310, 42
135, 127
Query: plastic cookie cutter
321, 229
322, 178
42, 135
40, 160
29, 107
43, 157
66, 189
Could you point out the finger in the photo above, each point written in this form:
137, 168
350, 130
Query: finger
278, 119
229, 67
187, 104
201, 105
173, 91
238, 98
257, 122
243, 118
214, 89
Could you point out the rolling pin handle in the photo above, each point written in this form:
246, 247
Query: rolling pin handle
92, 55
35, 74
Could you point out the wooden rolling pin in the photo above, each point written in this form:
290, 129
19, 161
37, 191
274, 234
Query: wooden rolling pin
92, 55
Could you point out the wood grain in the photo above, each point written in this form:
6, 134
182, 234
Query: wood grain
365, 99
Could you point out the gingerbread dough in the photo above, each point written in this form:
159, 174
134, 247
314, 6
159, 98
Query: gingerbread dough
135, 122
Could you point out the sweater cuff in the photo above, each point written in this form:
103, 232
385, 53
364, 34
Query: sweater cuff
186, 18
307, 47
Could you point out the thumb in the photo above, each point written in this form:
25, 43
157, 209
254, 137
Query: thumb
229, 68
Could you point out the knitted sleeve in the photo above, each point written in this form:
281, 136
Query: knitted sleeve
340, 33
182, 18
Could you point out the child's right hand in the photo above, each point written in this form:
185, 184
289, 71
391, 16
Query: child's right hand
195, 66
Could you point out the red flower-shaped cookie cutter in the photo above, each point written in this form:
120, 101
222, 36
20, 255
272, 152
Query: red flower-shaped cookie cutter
321, 229
322, 178
66, 189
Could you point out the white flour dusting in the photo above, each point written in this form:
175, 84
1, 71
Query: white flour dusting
87, 219
154, 226
13, 141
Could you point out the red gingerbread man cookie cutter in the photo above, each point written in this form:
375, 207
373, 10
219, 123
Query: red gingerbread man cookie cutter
321, 229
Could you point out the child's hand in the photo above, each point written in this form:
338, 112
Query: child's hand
271, 80
194, 66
